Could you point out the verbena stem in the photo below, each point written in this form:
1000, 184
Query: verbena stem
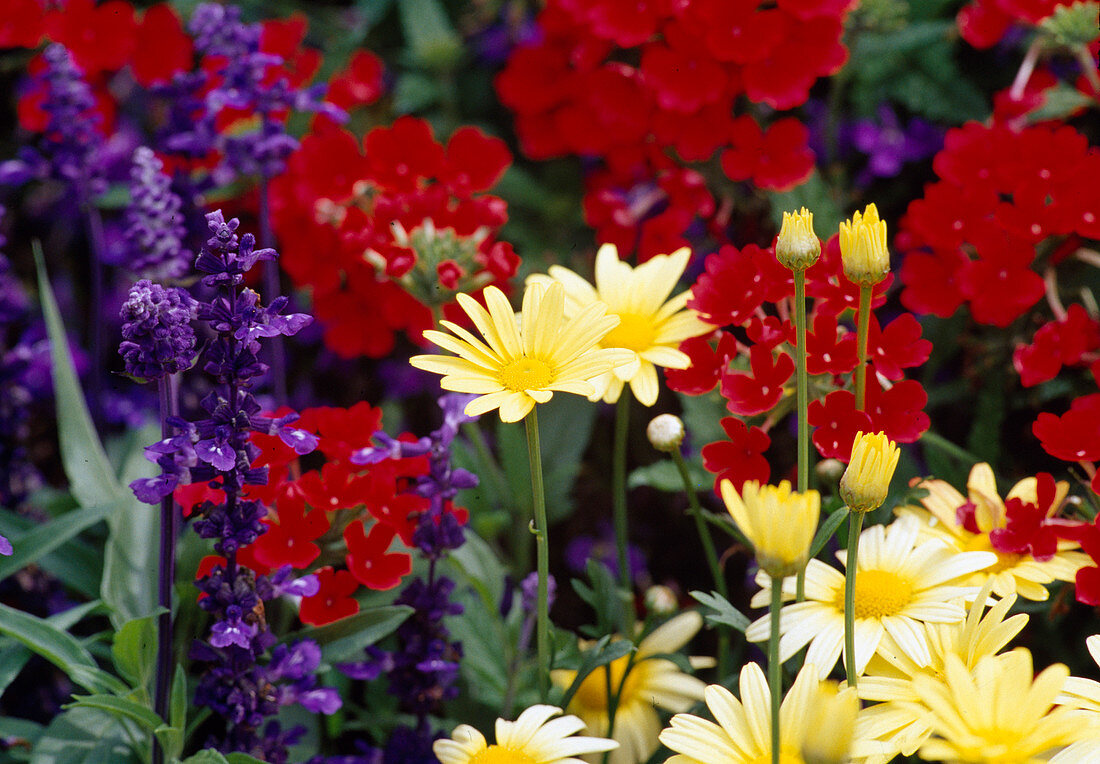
863, 324
775, 668
542, 544
855, 524
803, 404
711, 554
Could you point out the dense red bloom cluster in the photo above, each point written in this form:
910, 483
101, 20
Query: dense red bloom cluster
749, 293
983, 23
375, 232
572, 93
102, 39
972, 238
1069, 341
368, 506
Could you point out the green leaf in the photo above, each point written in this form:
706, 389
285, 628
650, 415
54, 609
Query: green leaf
1059, 102
91, 477
206, 756
177, 701
13, 656
135, 651
59, 648
42, 539
724, 613
434, 42
664, 476
120, 708
83, 736
131, 558
415, 92
604, 596
601, 654
344, 639
477, 563
827, 529
242, 758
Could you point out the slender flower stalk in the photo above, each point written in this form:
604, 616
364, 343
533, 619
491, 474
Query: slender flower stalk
666, 433
542, 547
798, 248
866, 262
863, 486
775, 667
618, 488
166, 571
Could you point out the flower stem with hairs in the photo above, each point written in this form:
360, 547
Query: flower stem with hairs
542, 544
855, 524
863, 325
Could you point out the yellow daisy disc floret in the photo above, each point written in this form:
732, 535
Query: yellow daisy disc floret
522, 362
652, 325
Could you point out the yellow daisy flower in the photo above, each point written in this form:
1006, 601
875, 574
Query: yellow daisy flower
743, 732
863, 252
1011, 573
521, 363
999, 713
891, 727
652, 683
533, 738
651, 324
780, 523
899, 585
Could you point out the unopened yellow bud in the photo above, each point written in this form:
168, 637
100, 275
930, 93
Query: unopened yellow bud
866, 482
778, 522
797, 246
830, 726
863, 248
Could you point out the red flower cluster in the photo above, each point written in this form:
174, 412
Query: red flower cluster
368, 506
983, 23
750, 293
572, 93
375, 233
972, 238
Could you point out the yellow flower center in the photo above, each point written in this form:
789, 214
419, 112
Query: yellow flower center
499, 754
879, 593
633, 333
526, 374
787, 755
592, 694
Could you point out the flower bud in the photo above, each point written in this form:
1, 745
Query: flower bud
863, 248
797, 246
660, 600
866, 482
666, 432
778, 522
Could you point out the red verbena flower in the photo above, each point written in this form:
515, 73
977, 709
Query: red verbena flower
741, 458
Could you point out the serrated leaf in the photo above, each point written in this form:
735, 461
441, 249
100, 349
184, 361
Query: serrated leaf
1059, 102
723, 612
601, 654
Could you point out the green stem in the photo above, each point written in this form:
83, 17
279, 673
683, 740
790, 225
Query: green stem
618, 488
775, 668
943, 444
863, 324
711, 554
542, 543
855, 524
803, 405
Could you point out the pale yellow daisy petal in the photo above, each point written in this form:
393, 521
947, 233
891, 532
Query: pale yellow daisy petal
644, 384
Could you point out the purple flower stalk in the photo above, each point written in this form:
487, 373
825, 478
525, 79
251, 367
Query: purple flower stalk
424, 669
217, 448
156, 328
154, 221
